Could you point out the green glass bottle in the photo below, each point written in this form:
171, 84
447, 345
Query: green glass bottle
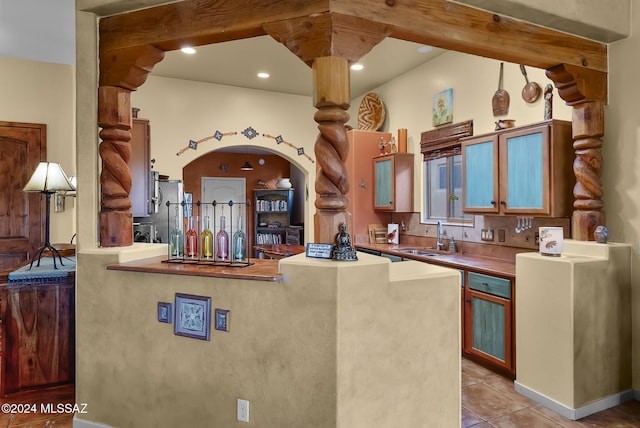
176, 240
239, 243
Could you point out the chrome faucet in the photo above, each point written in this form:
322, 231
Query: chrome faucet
439, 243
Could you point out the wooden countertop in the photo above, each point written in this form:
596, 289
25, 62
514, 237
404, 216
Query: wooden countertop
280, 250
488, 265
260, 270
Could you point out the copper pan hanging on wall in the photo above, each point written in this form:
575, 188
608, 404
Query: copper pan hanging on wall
531, 91
500, 101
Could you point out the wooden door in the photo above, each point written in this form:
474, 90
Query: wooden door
22, 147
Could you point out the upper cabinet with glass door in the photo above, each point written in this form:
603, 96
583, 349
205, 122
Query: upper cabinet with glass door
393, 181
526, 170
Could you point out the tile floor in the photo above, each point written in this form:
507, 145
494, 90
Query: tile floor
489, 400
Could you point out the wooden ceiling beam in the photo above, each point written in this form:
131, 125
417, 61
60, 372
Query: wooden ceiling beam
200, 22
461, 28
438, 23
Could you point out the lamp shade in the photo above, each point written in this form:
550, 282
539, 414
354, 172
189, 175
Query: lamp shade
48, 177
247, 166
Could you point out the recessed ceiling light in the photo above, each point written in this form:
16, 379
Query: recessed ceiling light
357, 67
425, 49
188, 50
263, 75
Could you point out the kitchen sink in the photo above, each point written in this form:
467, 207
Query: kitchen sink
417, 252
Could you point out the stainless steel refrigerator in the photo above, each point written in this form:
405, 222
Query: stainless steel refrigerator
156, 227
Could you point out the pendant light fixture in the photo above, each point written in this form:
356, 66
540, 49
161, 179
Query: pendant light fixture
247, 166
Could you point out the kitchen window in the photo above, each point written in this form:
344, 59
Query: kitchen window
442, 169
443, 189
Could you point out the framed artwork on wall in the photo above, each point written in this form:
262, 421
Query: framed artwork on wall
222, 319
165, 312
193, 316
443, 107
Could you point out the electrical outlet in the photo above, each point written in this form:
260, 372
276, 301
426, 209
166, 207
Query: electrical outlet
486, 234
243, 410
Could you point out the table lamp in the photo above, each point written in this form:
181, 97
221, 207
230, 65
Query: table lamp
48, 178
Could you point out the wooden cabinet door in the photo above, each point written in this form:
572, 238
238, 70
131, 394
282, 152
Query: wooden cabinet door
39, 336
524, 176
488, 329
384, 183
480, 175
22, 147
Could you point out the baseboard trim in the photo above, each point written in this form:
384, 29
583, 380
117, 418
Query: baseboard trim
580, 412
80, 423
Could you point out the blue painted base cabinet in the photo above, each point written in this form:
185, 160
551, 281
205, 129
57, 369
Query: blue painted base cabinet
488, 322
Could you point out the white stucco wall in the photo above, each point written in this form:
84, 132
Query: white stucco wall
621, 175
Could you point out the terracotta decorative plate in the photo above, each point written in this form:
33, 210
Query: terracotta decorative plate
371, 113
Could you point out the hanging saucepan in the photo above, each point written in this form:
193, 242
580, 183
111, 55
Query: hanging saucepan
531, 90
500, 101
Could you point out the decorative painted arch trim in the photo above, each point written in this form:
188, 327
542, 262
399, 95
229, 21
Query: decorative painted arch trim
250, 133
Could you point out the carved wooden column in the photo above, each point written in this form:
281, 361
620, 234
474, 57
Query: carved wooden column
121, 71
114, 117
328, 42
331, 98
586, 91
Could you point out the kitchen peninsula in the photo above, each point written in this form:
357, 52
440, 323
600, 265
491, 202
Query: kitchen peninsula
487, 301
320, 353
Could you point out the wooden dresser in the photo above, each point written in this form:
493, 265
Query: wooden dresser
37, 334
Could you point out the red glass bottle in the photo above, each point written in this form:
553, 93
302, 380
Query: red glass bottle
222, 242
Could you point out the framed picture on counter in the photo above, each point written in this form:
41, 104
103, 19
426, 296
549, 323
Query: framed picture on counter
193, 316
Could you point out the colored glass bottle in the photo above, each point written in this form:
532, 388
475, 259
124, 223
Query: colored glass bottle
206, 240
222, 242
191, 241
239, 243
176, 240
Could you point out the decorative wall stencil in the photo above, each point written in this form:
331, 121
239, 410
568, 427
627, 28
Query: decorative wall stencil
250, 133
193, 145
193, 316
279, 140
